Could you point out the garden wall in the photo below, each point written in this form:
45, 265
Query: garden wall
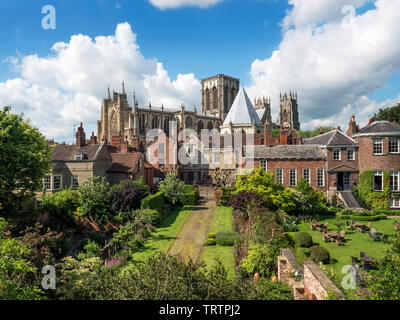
309, 282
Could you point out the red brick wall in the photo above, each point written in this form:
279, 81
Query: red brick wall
286, 165
380, 162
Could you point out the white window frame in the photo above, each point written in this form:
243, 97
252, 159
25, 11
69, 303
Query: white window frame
309, 175
49, 183
377, 174
340, 154
394, 182
394, 203
375, 144
263, 164
280, 176
353, 153
290, 177
319, 170
398, 146
72, 182
52, 181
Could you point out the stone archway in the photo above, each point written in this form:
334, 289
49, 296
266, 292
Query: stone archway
200, 126
188, 123
210, 126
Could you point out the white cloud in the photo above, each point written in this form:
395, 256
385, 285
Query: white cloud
334, 65
173, 4
59, 91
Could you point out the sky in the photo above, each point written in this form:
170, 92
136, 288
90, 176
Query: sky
342, 57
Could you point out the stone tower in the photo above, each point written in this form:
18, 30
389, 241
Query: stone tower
218, 94
265, 105
288, 112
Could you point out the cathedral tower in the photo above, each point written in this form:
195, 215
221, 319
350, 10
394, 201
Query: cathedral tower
218, 94
288, 112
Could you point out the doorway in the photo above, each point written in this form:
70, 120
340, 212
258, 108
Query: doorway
344, 181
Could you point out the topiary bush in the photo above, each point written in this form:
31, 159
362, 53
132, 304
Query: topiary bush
154, 202
211, 235
227, 238
319, 254
304, 239
210, 242
190, 196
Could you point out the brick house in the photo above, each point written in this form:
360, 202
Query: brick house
379, 150
289, 163
342, 159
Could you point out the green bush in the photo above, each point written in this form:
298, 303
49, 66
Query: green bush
210, 242
319, 254
304, 239
173, 189
211, 235
361, 218
92, 249
227, 238
154, 202
226, 195
62, 204
190, 196
261, 259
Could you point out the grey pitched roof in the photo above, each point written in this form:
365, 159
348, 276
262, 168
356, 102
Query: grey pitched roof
379, 127
286, 152
67, 152
260, 113
242, 111
331, 138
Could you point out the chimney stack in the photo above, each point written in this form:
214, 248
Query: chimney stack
93, 139
80, 137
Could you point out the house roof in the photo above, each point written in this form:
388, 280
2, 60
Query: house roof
286, 152
379, 127
331, 138
124, 162
67, 152
242, 111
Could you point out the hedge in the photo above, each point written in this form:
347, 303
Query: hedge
361, 218
154, 202
190, 196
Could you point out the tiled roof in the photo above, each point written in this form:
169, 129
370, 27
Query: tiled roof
260, 113
242, 111
124, 162
379, 127
67, 152
286, 152
331, 138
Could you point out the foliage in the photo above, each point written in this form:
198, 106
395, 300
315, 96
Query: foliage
226, 195
365, 194
268, 290
173, 188
190, 196
92, 250
227, 238
384, 283
313, 133
25, 159
260, 259
212, 235
319, 254
128, 236
290, 223
304, 239
126, 196
388, 114
94, 199
155, 201
210, 242
62, 205
244, 200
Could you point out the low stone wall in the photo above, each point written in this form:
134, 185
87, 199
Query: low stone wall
309, 282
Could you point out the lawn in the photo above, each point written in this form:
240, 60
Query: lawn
163, 237
355, 242
222, 222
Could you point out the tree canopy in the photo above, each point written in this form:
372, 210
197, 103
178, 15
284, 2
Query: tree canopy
25, 158
389, 114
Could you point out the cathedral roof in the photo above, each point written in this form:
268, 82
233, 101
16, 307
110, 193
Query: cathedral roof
242, 111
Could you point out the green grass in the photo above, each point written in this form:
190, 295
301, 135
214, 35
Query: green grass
355, 242
163, 237
222, 222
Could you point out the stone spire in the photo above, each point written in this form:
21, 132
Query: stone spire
123, 87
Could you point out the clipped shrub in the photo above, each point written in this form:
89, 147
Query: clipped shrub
304, 239
154, 202
227, 238
210, 242
319, 254
211, 235
190, 196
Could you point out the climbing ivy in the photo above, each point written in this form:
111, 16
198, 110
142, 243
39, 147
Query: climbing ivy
366, 194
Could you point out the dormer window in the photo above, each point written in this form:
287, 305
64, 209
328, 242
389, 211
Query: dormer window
80, 156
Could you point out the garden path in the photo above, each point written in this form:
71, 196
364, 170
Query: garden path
190, 241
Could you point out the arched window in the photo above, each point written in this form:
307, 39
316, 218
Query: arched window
226, 102
208, 99
188, 123
210, 126
215, 98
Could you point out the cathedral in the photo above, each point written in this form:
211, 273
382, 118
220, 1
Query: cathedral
222, 108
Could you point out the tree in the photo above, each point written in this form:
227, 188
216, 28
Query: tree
388, 114
173, 188
25, 159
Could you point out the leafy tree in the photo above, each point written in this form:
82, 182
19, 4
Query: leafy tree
173, 188
260, 259
25, 159
388, 114
313, 133
94, 199
126, 197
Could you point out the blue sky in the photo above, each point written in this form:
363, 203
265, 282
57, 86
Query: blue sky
163, 52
